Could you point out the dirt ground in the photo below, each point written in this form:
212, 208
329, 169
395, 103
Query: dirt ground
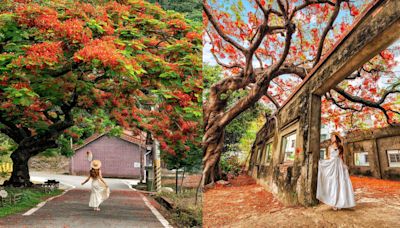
190, 180
55, 164
247, 204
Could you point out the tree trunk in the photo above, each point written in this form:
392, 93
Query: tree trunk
211, 167
176, 181
20, 157
217, 116
20, 174
183, 177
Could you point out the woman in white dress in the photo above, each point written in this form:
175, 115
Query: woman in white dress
100, 191
334, 186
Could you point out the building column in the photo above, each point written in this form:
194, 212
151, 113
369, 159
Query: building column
313, 145
377, 159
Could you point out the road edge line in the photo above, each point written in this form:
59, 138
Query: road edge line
41, 204
156, 213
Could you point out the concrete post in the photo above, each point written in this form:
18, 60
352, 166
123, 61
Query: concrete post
313, 149
157, 166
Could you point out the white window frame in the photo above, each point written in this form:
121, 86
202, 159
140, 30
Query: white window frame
395, 152
283, 146
361, 152
268, 153
322, 149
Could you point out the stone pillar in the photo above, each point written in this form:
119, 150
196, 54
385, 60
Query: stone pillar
313, 148
377, 170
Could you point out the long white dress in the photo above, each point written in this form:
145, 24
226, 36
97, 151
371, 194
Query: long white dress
334, 186
98, 194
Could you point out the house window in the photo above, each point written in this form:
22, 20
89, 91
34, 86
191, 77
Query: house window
268, 151
322, 154
259, 154
394, 158
361, 159
288, 146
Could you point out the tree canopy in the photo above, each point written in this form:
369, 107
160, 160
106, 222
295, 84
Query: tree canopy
191, 8
61, 61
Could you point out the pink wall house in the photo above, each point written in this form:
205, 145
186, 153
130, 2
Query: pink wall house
120, 156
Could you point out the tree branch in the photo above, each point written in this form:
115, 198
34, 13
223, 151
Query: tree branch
377, 105
273, 100
236, 65
326, 30
219, 30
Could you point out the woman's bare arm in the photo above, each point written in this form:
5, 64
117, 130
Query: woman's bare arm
87, 179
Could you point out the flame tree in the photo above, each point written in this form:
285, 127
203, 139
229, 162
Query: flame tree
266, 48
131, 60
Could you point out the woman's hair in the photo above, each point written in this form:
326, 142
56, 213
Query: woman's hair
94, 173
338, 142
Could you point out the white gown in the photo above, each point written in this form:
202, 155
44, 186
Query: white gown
334, 186
98, 194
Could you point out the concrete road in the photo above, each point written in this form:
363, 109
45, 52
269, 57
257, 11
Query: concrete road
124, 208
75, 181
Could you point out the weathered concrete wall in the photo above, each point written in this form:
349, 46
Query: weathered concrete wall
376, 142
368, 145
295, 182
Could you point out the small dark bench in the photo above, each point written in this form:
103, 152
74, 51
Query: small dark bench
50, 185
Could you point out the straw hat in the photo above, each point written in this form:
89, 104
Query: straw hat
95, 164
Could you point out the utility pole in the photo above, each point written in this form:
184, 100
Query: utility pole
156, 161
157, 165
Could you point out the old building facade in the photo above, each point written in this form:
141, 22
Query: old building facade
286, 151
374, 152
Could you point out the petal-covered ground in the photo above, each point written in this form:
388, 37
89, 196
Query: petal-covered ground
247, 204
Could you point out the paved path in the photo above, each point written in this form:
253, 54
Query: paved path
124, 208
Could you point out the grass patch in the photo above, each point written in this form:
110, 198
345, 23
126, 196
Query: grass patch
31, 197
185, 212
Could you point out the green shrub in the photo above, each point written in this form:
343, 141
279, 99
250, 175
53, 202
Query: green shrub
230, 164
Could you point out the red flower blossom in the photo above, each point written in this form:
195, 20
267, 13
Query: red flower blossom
104, 50
75, 30
193, 36
387, 55
42, 55
177, 24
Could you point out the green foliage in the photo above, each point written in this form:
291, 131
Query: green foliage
241, 126
249, 137
191, 8
230, 164
185, 213
211, 75
118, 62
6, 147
31, 197
191, 159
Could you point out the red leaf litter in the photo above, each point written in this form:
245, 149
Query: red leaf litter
242, 199
375, 188
190, 181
